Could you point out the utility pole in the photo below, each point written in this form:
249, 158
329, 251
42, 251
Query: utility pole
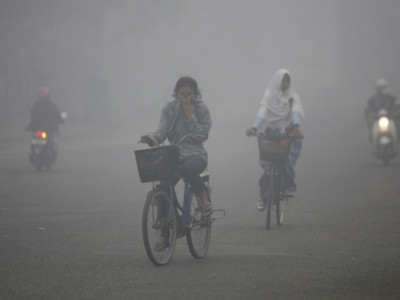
22, 101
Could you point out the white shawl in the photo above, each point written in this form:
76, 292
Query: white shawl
275, 106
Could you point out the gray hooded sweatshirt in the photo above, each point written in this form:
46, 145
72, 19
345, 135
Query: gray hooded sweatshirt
187, 133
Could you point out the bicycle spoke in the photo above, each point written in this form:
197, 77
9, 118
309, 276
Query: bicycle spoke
158, 227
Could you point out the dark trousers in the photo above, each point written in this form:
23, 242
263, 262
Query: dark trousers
191, 168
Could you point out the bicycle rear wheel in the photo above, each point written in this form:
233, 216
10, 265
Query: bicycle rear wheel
158, 223
199, 234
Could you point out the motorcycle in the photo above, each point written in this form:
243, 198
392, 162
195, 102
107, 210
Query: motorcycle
384, 137
43, 152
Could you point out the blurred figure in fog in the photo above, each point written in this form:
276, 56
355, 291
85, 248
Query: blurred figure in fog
382, 100
185, 122
279, 113
46, 117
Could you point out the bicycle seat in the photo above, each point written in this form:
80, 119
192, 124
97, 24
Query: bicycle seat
205, 176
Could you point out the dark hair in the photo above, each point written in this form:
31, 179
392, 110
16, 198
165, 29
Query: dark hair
189, 82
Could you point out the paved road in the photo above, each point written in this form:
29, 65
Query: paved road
75, 232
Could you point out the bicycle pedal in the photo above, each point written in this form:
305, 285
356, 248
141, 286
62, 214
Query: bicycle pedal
287, 196
220, 213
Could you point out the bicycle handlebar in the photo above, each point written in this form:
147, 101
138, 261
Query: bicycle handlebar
150, 139
284, 136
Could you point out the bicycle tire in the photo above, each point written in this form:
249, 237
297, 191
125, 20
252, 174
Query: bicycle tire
278, 202
199, 235
271, 194
152, 226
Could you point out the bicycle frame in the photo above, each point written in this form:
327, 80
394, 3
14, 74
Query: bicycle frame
276, 168
183, 219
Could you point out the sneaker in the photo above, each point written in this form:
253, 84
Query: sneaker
261, 205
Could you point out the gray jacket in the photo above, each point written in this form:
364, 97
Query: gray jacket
187, 133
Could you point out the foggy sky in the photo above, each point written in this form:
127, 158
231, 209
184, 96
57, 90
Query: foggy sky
334, 49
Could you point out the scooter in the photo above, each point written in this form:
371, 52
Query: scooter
384, 137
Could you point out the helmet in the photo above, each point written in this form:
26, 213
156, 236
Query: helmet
43, 91
383, 113
381, 83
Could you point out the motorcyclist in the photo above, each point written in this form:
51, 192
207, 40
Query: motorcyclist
382, 99
46, 117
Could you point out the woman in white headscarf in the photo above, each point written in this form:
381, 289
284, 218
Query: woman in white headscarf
280, 113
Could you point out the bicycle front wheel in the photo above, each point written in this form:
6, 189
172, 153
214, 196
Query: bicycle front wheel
271, 195
199, 234
279, 207
159, 227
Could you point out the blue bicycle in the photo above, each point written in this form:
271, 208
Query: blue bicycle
164, 220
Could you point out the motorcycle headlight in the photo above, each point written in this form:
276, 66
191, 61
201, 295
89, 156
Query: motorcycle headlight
383, 123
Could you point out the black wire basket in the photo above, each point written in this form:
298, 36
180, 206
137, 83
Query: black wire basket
158, 163
274, 150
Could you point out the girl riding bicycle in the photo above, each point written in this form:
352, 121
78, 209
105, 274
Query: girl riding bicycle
186, 122
279, 113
